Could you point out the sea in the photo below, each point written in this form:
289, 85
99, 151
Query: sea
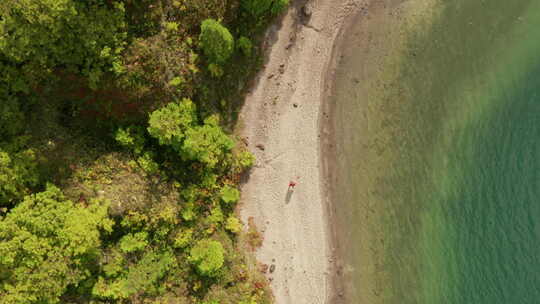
437, 130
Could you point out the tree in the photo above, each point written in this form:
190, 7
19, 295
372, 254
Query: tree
207, 256
85, 36
216, 41
207, 144
17, 173
11, 116
259, 8
170, 123
139, 278
245, 45
47, 244
229, 194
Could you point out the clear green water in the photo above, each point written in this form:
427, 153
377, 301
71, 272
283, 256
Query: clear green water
439, 163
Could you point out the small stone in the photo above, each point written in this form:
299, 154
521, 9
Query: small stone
260, 147
270, 76
295, 105
272, 268
306, 11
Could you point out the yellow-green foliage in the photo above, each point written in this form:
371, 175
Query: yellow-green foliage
216, 215
134, 242
48, 243
207, 256
244, 160
175, 125
233, 224
170, 123
229, 194
146, 163
183, 238
40, 34
17, 174
207, 143
131, 138
140, 278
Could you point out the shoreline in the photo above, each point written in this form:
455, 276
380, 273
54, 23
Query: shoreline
286, 113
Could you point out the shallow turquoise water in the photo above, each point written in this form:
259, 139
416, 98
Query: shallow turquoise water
447, 161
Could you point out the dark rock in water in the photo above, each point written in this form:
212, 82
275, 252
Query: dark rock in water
272, 268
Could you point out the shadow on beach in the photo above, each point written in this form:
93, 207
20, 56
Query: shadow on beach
288, 195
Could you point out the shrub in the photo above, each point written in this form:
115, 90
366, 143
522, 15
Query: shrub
183, 238
215, 70
17, 173
259, 8
245, 45
233, 224
216, 41
207, 256
229, 194
216, 215
170, 123
140, 277
244, 160
134, 242
279, 6
11, 117
207, 144
131, 138
147, 163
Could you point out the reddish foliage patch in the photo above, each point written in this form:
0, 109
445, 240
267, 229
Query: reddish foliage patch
109, 103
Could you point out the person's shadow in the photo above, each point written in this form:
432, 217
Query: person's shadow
289, 194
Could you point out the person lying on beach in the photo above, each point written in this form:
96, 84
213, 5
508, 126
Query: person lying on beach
291, 185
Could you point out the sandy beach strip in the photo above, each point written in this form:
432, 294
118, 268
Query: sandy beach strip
281, 120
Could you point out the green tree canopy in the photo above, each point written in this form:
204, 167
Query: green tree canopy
17, 173
258, 8
47, 244
11, 116
207, 143
39, 35
170, 123
139, 278
176, 125
229, 194
207, 256
216, 41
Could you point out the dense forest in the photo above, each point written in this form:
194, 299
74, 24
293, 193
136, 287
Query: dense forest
118, 170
